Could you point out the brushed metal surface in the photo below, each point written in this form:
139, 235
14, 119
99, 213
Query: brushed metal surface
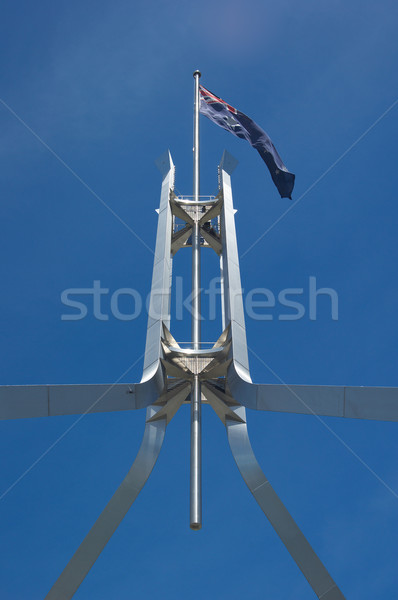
112, 515
232, 300
377, 403
196, 426
196, 457
290, 534
26, 401
238, 383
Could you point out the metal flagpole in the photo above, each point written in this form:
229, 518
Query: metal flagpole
196, 442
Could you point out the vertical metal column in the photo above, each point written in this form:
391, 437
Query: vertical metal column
196, 441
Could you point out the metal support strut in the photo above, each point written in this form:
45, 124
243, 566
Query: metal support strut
110, 518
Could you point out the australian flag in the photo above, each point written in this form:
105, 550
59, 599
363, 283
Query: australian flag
227, 117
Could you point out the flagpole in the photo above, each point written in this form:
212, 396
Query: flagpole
196, 442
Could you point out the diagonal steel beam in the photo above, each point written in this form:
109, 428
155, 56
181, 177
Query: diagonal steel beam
112, 515
152, 385
213, 212
281, 520
240, 386
179, 212
218, 404
179, 238
175, 398
212, 240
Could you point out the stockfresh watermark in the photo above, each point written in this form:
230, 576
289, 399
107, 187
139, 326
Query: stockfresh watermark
261, 304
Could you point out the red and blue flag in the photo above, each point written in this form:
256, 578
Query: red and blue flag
231, 119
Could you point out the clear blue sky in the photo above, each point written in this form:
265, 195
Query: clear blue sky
108, 87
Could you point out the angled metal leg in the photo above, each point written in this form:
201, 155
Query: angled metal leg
239, 387
277, 514
112, 515
152, 389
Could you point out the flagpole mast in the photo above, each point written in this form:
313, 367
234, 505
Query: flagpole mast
196, 441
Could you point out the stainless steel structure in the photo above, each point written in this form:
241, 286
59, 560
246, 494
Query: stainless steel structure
196, 408
219, 376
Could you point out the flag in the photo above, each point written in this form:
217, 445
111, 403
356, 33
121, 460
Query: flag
231, 119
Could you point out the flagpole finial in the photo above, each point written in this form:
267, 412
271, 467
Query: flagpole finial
197, 72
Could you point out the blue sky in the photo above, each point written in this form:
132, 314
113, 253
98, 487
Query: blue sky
108, 87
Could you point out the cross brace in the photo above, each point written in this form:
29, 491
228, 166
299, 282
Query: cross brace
168, 375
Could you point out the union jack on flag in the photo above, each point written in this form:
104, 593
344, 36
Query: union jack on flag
231, 119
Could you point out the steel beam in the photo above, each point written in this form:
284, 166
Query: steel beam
240, 386
112, 515
281, 520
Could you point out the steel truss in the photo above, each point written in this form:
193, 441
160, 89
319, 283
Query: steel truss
222, 375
